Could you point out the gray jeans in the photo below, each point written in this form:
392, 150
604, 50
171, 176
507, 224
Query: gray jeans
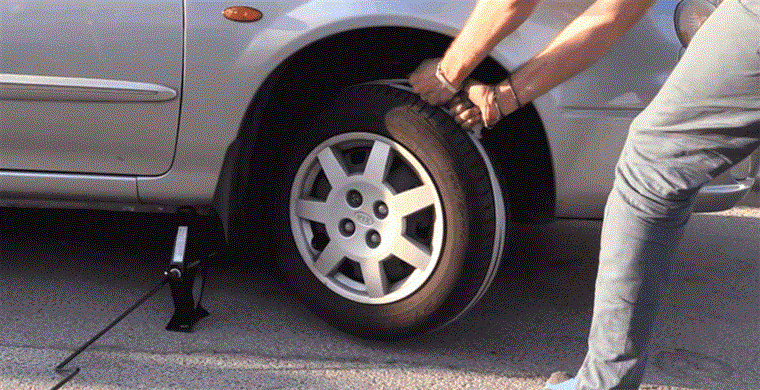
705, 119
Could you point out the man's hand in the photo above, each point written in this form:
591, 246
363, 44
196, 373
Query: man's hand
483, 104
426, 84
482, 107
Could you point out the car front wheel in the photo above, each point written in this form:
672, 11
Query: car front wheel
389, 219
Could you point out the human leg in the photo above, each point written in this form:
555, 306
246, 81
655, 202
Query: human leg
705, 119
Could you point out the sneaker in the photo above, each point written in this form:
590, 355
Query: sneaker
560, 381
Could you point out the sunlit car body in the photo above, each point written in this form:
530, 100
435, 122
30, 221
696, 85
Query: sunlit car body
150, 105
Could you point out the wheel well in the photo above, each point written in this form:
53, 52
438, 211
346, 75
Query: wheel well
520, 152
287, 99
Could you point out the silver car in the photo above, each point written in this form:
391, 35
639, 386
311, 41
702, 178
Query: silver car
291, 122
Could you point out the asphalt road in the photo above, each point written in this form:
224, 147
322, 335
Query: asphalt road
66, 274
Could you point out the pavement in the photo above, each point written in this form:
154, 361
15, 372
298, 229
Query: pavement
65, 275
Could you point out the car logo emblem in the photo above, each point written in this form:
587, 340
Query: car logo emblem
364, 219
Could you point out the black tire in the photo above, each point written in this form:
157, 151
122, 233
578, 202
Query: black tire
460, 240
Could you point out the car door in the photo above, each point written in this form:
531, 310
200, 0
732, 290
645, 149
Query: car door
89, 86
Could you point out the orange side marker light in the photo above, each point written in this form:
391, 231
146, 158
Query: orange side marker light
242, 14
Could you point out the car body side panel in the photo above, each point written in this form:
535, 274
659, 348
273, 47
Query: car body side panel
225, 63
58, 122
587, 115
231, 60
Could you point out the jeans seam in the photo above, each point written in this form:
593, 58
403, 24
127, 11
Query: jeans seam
746, 8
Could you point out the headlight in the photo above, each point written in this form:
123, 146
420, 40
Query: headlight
690, 14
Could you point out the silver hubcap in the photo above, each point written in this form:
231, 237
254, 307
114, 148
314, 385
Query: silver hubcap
367, 218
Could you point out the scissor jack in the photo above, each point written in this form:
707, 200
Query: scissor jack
187, 278
194, 249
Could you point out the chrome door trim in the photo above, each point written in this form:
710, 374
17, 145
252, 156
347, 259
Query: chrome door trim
30, 87
64, 186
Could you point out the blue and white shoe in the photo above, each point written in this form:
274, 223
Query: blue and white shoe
560, 381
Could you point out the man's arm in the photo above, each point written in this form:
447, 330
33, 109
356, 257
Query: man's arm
489, 22
580, 44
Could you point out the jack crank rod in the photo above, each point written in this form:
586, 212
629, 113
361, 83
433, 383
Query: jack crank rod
71, 372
